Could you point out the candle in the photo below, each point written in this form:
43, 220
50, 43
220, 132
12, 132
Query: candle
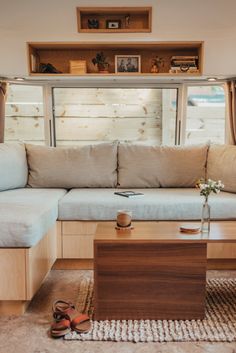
124, 218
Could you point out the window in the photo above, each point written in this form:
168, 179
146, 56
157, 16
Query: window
24, 114
92, 115
205, 114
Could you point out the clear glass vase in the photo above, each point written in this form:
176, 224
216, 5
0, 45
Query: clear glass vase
206, 217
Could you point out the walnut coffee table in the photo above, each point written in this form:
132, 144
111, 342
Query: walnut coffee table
152, 271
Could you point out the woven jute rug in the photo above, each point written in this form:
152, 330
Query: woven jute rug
219, 324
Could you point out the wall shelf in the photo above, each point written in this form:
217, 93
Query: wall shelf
130, 19
59, 55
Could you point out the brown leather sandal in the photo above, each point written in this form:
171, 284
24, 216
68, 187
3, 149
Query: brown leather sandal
60, 328
66, 310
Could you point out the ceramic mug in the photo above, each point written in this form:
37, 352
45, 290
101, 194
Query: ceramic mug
124, 218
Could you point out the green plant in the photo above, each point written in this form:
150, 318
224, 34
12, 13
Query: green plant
100, 60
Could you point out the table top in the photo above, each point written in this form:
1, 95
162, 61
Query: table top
166, 231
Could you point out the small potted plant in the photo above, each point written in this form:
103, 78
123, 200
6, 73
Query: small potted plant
101, 62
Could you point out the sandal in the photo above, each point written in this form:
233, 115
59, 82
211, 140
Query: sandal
66, 310
60, 328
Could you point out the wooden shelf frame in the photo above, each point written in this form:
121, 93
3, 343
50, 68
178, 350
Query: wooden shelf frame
140, 19
59, 55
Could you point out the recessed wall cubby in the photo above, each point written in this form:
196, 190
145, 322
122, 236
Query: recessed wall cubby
61, 54
114, 19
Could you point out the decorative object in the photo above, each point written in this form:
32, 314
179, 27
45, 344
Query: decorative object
93, 23
34, 62
48, 69
206, 188
127, 21
182, 64
101, 62
78, 67
156, 64
123, 219
127, 63
189, 229
217, 326
113, 24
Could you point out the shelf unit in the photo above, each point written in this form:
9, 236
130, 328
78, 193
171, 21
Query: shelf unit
60, 54
140, 19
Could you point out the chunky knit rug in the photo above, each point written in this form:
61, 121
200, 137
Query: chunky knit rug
219, 324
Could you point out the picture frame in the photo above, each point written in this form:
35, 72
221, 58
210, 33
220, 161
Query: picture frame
128, 64
113, 24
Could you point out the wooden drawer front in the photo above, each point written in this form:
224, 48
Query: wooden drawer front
149, 281
78, 246
79, 228
221, 251
13, 274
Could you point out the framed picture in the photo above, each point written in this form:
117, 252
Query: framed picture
127, 63
113, 24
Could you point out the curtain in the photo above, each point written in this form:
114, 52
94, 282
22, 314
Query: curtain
231, 112
3, 90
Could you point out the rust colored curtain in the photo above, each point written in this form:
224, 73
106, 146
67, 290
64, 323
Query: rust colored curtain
3, 90
231, 111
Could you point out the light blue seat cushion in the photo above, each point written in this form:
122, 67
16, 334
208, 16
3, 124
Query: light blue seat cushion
26, 215
13, 166
156, 204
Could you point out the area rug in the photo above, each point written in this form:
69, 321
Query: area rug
219, 324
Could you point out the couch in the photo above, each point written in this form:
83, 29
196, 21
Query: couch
51, 200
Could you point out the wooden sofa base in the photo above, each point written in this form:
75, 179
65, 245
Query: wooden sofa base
13, 307
23, 271
76, 242
71, 242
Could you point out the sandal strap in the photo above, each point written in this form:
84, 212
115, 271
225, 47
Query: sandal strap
60, 306
79, 319
61, 325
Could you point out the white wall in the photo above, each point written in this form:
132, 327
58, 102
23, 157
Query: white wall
55, 20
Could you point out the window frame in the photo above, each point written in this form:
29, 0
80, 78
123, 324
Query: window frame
109, 85
184, 104
181, 109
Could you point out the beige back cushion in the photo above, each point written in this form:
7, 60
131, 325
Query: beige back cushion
73, 167
160, 166
13, 166
221, 165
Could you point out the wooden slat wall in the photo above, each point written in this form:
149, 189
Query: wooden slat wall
205, 123
95, 115
24, 114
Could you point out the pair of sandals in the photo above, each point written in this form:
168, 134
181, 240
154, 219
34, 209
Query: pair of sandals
67, 318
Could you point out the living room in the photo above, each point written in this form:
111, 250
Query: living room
117, 186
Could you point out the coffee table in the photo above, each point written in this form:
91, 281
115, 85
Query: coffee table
153, 271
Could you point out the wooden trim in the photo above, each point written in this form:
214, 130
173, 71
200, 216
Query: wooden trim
221, 251
79, 227
12, 276
221, 264
13, 307
78, 246
73, 264
119, 44
39, 261
59, 240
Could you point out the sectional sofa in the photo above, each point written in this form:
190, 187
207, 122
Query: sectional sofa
51, 200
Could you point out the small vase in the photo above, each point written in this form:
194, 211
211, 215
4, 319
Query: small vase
206, 217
